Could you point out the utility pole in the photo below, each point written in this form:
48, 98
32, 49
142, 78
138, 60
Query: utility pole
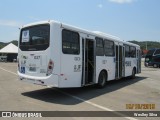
146, 45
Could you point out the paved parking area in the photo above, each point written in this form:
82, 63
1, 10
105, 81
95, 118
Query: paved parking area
20, 96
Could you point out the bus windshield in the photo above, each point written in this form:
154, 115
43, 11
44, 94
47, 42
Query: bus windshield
35, 38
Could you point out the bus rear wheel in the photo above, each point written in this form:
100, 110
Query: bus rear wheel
102, 79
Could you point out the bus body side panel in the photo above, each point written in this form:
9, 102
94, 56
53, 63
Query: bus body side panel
71, 68
110, 67
134, 63
130, 63
55, 51
128, 67
105, 63
99, 66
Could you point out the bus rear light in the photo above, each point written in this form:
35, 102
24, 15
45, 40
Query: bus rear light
50, 67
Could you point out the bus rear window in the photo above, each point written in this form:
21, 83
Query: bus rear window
35, 38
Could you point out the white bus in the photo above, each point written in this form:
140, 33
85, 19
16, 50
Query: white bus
59, 55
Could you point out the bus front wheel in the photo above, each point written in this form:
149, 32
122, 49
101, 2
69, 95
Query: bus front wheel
133, 73
102, 79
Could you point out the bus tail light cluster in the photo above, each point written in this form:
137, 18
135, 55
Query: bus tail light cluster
50, 67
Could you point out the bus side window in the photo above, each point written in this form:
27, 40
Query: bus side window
127, 51
70, 42
99, 47
109, 48
133, 52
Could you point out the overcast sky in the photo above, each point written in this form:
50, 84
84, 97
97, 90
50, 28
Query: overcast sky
127, 19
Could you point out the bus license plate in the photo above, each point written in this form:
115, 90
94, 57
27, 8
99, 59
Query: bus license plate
33, 69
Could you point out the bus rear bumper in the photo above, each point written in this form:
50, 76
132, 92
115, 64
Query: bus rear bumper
50, 81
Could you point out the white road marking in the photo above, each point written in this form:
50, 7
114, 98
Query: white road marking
10, 64
96, 105
8, 71
83, 100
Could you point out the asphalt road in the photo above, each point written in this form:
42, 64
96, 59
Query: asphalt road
19, 96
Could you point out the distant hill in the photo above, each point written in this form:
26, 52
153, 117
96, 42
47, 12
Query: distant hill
149, 44
2, 44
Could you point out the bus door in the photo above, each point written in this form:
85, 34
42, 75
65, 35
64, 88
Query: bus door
138, 61
88, 58
123, 61
120, 62
117, 63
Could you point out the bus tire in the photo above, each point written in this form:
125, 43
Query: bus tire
133, 73
102, 79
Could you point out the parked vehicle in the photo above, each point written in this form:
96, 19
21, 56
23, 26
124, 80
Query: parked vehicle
153, 58
3, 58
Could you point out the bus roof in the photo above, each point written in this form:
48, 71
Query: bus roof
96, 33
